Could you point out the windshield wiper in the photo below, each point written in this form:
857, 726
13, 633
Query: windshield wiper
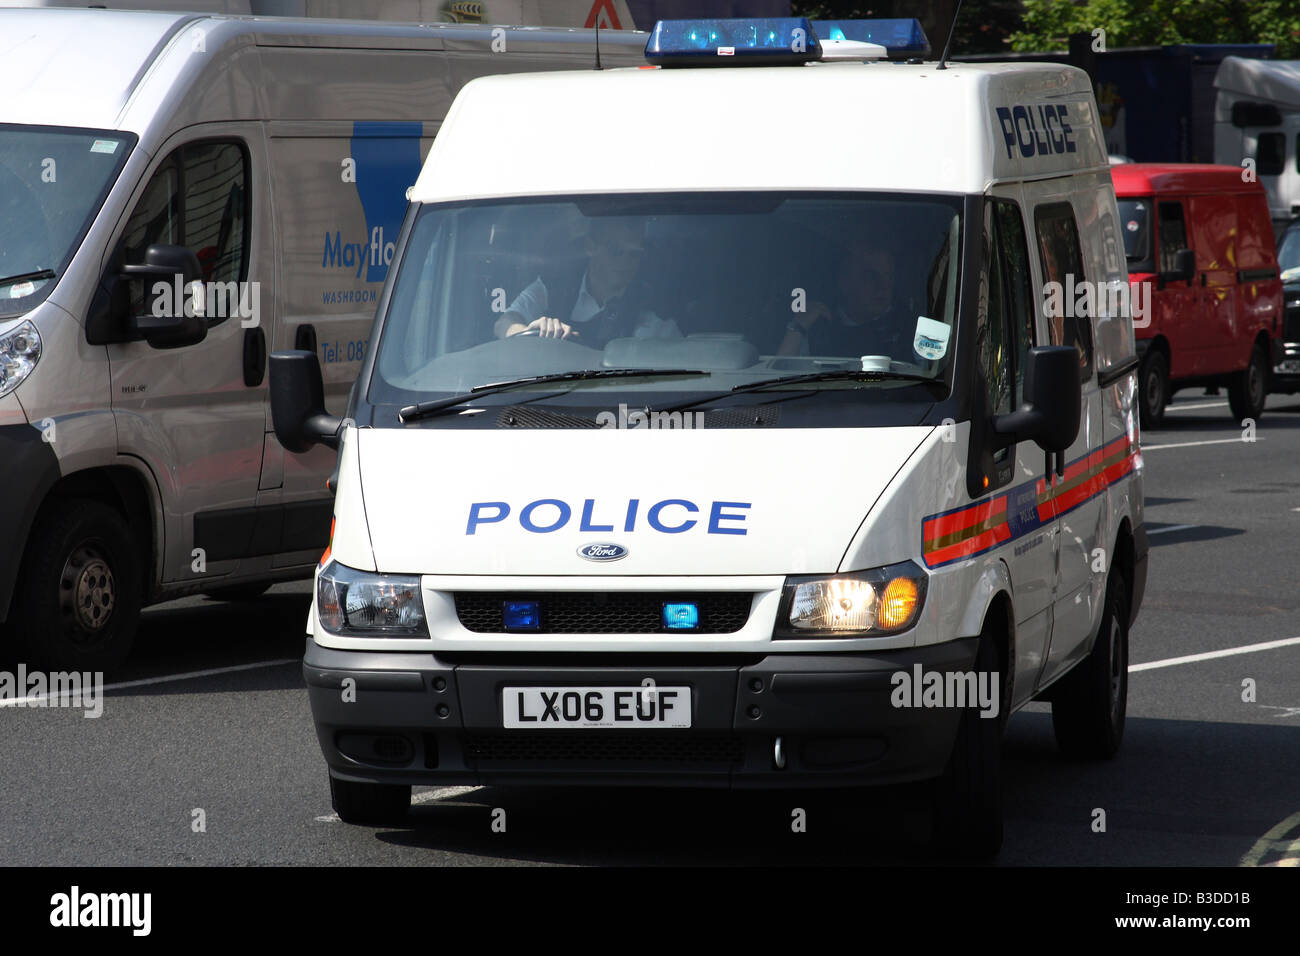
413, 413
826, 376
28, 276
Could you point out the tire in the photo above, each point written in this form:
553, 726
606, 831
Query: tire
239, 592
78, 595
1249, 389
1089, 703
1153, 389
968, 797
370, 804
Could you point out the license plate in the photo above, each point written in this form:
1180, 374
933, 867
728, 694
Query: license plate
1289, 367
629, 708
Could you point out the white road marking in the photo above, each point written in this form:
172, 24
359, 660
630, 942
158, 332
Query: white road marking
1172, 527
1188, 408
164, 679
1193, 444
1211, 655
417, 799
1275, 840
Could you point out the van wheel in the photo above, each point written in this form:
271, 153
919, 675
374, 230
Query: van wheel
238, 592
1153, 389
968, 797
1249, 389
79, 592
372, 804
1090, 702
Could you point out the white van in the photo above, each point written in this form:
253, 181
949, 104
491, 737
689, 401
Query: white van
267, 159
721, 440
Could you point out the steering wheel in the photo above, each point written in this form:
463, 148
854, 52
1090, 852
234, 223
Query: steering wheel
519, 335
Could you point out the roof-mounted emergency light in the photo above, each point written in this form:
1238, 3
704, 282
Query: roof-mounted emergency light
782, 41
774, 41
902, 38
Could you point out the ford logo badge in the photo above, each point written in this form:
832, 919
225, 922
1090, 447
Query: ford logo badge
602, 552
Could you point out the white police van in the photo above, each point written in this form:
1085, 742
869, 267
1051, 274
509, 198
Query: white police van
724, 438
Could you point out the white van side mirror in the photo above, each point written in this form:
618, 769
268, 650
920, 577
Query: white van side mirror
1053, 400
298, 403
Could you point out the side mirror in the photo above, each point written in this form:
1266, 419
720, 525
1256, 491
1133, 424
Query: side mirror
174, 318
1184, 267
298, 403
1053, 400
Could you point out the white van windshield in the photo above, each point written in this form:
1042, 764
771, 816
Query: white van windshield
52, 183
742, 287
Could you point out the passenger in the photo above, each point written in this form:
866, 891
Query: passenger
862, 319
608, 302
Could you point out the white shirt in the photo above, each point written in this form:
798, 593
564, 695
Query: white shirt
532, 304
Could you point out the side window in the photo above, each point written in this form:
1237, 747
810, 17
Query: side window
198, 199
1270, 154
155, 221
1173, 233
214, 209
1062, 261
1013, 251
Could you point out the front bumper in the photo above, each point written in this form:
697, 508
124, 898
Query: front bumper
418, 719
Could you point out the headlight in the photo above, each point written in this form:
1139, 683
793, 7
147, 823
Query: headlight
361, 604
861, 604
20, 349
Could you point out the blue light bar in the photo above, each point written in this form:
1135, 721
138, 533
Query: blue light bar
773, 41
681, 617
521, 615
901, 37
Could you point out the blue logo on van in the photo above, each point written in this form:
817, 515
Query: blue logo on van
602, 552
387, 160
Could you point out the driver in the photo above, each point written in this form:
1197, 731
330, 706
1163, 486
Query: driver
862, 318
608, 302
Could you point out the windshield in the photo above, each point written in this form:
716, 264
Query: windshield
1135, 214
1288, 255
740, 288
52, 183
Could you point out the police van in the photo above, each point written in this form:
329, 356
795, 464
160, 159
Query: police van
148, 157
741, 436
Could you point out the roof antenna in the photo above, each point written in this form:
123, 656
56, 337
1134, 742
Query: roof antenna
948, 44
598, 66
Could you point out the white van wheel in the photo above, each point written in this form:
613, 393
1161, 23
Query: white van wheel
968, 797
1089, 703
79, 593
372, 804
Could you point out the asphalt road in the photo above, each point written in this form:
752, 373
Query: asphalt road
1204, 777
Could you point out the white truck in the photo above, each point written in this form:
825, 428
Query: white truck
144, 157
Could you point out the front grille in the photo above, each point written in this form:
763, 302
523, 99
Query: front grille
581, 612
604, 747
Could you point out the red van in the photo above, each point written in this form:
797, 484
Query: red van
1202, 261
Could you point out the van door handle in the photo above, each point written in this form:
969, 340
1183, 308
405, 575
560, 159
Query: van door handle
254, 356
304, 337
